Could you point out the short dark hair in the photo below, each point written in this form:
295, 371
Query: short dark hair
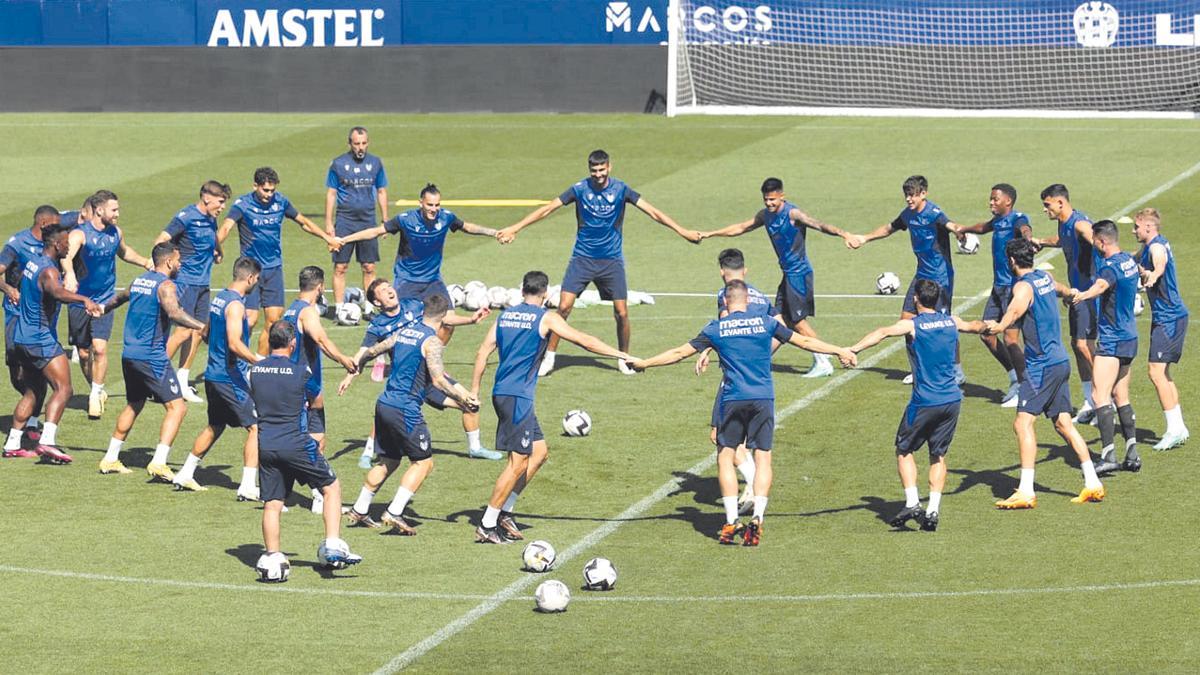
311, 276
732, 259
1007, 189
772, 185
100, 198
736, 289
1021, 251
1106, 230
914, 185
379, 281
282, 333
264, 175
355, 130
436, 305
534, 282
45, 212
53, 231
430, 189
161, 252
928, 292
245, 268
597, 157
1056, 190
215, 188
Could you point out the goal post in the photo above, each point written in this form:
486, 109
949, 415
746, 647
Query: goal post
1012, 58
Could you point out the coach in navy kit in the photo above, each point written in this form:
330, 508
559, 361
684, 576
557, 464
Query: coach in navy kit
355, 184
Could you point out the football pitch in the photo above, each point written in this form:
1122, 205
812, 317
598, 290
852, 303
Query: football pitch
109, 573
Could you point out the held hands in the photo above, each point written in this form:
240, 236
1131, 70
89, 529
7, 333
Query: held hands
480, 314
506, 235
848, 358
471, 403
93, 309
694, 236
334, 243
854, 241
1073, 298
991, 327
349, 364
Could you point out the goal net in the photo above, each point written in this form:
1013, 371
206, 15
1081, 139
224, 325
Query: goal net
1056, 58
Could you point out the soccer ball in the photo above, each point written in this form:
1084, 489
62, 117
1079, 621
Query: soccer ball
349, 314
333, 553
577, 423
599, 575
475, 284
457, 294
538, 556
552, 596
1138, 305
887, 283
273, 568
355, 295
475, 298
969, 245
497, 296
515, 297
553, 296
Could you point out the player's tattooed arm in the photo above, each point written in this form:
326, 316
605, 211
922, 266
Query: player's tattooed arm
367, 354
472, 228
349, 378
433, 348
119, 299
168, 299
799, 216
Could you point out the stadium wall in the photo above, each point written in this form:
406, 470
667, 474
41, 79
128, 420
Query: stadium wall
418, 78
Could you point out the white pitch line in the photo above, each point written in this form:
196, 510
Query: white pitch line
604, 597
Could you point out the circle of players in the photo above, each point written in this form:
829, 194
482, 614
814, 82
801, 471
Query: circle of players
276, 393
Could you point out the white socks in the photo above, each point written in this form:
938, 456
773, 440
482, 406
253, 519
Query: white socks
760, 507
189, 469
403, 495
1026, 486
1174, 419
1090, 479
114, 450
472, 440
490, 515
160, 454
363, 503
14, 439
731, 509
183, 374
911, 498
50, 434
935, 502
511, 502
748, 469
369, 451
249, 477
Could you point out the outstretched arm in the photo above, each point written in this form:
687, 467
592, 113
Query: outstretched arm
345, 383
799, 216
812, 344
664, 359
362, 235
311, 228
977, 327
556, 324
472, 228
880, 232
452, 319
509, 233
902, 327
734, 230
1097, 289
168, 299
1022, 297
50, 284
119, 299
663, 219
960, 230
311, 323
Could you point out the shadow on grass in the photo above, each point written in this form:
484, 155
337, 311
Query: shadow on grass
969, 389
248, 555
562, 362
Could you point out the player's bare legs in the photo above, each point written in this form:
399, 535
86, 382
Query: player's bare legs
566, 302
126, 419
538, 457
822, 366
270, 524
339, 282
331, 513
273, 314
58, 374
1176, 432
1084, 351
368, 275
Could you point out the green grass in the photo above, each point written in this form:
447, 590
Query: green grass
825, 540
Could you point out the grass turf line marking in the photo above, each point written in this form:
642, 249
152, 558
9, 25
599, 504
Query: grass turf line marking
597, 597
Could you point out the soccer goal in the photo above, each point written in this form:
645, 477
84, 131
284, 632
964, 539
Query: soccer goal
954, 58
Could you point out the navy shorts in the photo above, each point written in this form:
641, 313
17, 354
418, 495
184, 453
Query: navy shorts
1082, 320
314, 420
1124, 350
36, 357
365, 251
1046, 393
517, 427
82, 327
750, 422
931, 425
607, 273
268, 292
1166, 340
716, 411
194, 300
421, 289
437, 399
944, 297
794, 299
997, 305
146, 380
279, 469
396, 439
229, 406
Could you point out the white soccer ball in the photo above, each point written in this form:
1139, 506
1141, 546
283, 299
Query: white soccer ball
599, 575
333, 552
1138, 305
539, 556
887, 283
355, 295
552, 596
553, 296
515, 297
457, 294
497, 296
473, 285
476, 298
349, 314
577, 423
969, 245
273, 568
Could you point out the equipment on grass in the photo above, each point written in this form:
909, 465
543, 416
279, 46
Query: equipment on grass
273, 568
475, 298
515, 297
349, 314
599, 575
577, 423
887, 283
497, 297
552, 596
538, 556
969, 244
335, 554
457, 294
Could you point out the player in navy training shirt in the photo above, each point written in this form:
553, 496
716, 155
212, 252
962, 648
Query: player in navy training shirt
417, 366
1074, 237
1006, 223
787, 227
355, 184
278, 388
18, 250
520, 334
1116, 286
194, 232
932, 413
744, 341
35, 336
1168, 320
597, 257
90, 267
259, 217
153, 305
1046, 387
929, 233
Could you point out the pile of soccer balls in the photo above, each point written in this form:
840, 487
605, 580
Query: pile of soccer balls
553, 595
